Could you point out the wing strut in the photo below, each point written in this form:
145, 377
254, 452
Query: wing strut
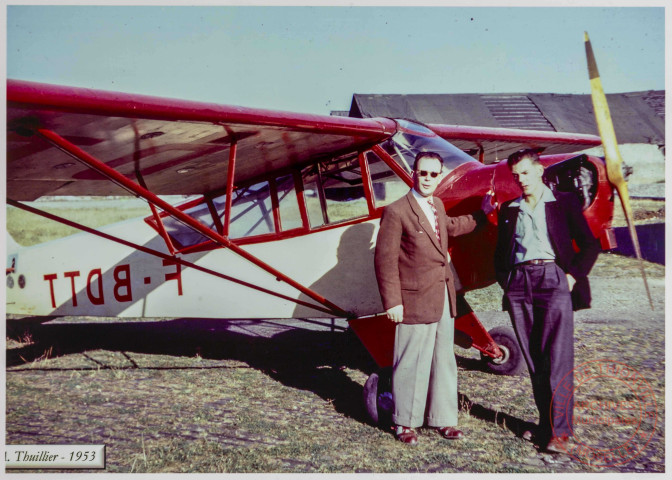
141, 180
229, 185
121, 180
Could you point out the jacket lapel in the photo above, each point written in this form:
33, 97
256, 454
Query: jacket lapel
424, 223
509, 228
554, 220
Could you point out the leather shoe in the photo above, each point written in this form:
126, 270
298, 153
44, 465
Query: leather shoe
558, 445
528, 435
405, 435
450, 433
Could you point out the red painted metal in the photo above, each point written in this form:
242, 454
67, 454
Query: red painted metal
377, 335
394, 166
272, 237
480, 338
462, 191
608, 240
482, 134
158, 254
136, 189
366, 182
162, 229
275, 204
298, 186
229, 187
24, 94
215, 215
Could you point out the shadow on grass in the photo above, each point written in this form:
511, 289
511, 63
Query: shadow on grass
311, 360
299, 358
514, 424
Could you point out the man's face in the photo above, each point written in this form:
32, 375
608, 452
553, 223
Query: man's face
426, 184
528, 176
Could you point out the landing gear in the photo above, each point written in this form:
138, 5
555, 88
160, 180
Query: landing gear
378, 397
512, 361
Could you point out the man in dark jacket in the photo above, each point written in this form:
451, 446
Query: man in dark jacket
544, 279
417, 287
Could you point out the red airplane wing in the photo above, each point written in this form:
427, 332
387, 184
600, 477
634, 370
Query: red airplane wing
498, 143
182, 148
179, 147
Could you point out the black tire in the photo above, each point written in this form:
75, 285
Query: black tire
513, 362
378, 397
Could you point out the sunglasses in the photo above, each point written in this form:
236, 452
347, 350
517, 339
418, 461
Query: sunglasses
425, 173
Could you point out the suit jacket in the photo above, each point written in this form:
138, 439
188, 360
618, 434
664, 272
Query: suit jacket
411, 266
566, 226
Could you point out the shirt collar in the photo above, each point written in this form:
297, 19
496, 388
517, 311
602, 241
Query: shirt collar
419, 197
546, 196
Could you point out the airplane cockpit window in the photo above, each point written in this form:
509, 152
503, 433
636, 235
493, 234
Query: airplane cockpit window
251, 214
183, 234
251, 211
405, 145
334, 191
288, 205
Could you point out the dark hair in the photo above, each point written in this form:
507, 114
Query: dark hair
517, 157
422, 155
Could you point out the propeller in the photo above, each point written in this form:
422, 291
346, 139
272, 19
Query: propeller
611, 153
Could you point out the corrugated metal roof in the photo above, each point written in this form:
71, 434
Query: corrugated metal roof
516, 111
638, 117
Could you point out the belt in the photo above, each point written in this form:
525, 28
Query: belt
534, 262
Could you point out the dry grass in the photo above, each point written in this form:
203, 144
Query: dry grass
200, 403
193, 399
643, 210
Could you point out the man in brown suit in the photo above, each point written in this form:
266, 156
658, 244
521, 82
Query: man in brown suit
417, 287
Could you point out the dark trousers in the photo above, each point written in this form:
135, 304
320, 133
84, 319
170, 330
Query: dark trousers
540, 307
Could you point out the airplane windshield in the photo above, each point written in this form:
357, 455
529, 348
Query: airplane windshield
404, 146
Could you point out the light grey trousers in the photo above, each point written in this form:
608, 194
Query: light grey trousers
424, 376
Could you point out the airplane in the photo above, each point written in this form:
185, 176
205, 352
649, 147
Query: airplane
281, 218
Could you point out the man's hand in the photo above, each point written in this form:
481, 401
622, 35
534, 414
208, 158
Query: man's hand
571, 281
396, 314
489, 203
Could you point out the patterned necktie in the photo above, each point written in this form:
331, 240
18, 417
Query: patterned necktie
436, 219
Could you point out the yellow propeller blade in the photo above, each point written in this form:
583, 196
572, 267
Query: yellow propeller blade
611, 152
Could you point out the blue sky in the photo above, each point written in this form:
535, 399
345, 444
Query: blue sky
313, 59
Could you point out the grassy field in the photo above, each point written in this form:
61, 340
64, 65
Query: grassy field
190, 396
28, 229
644, 211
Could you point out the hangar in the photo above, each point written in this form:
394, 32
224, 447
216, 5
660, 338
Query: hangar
639, 117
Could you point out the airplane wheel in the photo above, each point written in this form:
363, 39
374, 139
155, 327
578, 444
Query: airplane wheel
512, 363
378, 397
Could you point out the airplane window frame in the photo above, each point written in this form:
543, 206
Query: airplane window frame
210, 202
357, 163
326, 178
